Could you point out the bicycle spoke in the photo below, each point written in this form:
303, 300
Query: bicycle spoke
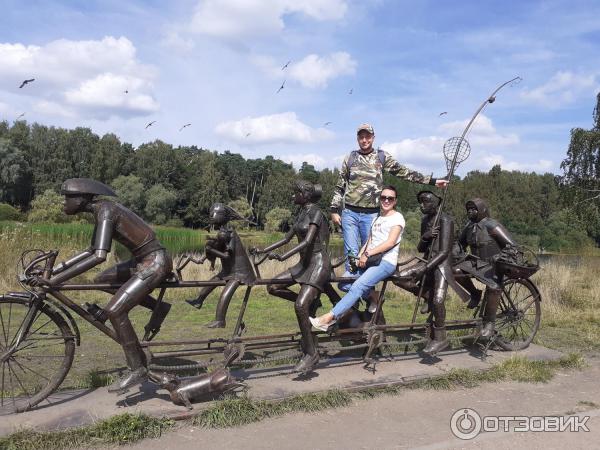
8, 326
4, 331
19, 381
2, 387
39, 328
35, 372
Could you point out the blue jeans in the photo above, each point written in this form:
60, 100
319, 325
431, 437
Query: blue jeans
355, 231
363, 285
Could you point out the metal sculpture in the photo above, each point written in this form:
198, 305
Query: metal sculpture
236, 267
312, 272
149, 266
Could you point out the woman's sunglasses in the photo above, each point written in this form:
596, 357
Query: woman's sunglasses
385, 198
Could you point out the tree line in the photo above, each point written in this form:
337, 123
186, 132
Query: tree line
177, 185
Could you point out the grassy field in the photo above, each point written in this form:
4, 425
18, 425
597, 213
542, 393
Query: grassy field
570, 306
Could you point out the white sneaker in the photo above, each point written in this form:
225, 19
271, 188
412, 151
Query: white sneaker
321, 326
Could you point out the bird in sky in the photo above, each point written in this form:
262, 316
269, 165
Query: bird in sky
286, 64
186, 125
281, 87
350, 91
31, 80
248, 134
20, 115
442, 113
327, 123
150, 123
126, 91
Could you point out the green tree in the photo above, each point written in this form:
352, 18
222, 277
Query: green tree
47, 207
581, 177
242, 206
15, 175
159, 204
277, 219
131, 192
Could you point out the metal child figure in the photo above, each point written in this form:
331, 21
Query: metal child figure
436, 244
312, 272
236, 266
149, 266
486, 238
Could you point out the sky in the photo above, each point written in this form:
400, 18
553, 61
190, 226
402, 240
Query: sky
416, 71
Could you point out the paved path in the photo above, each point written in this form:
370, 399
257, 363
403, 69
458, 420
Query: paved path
82, 407
417, 419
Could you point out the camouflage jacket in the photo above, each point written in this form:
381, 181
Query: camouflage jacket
360, 185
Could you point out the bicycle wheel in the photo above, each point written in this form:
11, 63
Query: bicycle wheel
32, 370
519, 314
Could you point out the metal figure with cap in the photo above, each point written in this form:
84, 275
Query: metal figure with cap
486, 238
236, 266
312, 272
436, 273
149, 266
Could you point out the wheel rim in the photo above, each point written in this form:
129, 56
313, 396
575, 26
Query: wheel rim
518, 315
34, 368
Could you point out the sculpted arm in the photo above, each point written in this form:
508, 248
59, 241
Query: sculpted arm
312, 232
501, 235
99, 251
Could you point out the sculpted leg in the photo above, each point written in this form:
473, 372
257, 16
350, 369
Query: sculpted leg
440, 338
281, 290
492, 298
203, 294
117, 309
306, 296
223, 304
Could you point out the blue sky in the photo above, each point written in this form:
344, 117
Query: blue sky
218, 65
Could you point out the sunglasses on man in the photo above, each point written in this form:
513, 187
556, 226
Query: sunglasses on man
385, 198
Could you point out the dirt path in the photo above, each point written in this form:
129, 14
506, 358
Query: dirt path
418, 419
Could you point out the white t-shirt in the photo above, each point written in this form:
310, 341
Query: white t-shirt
381, 230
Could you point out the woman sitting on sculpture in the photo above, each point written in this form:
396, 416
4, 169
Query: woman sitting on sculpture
385, 235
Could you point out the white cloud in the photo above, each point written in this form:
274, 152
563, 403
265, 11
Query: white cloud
107, 90
83, 74
488, 161
52, 109
563, 88
243, 18
482, 134
315, 71
424, 149
277, 128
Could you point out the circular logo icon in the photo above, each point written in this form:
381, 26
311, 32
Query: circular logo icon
465, 423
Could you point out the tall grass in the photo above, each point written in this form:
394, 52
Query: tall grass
570, 297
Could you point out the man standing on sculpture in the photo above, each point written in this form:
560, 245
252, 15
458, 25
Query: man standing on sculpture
355, 202
149, 266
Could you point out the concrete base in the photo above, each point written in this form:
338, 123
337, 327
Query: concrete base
81, 407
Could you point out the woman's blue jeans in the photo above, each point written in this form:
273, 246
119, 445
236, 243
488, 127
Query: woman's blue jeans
362, 286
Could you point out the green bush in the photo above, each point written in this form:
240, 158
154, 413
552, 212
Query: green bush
276, 219
7, 212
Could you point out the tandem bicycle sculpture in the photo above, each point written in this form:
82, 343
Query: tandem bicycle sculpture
39, 333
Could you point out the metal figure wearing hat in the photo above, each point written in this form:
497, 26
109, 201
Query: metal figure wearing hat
436, 244
312, 272
486, 238
236, 266
149, 266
